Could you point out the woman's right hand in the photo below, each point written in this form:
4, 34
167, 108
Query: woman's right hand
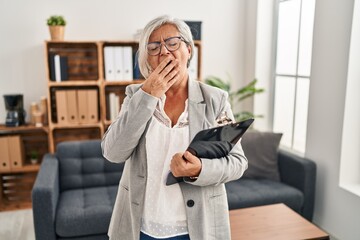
162, 78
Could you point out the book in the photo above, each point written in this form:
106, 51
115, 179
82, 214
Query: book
136, 72
52, 67
58, 67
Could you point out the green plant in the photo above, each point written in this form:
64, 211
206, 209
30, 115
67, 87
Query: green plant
56, 20
239, 95
34, 154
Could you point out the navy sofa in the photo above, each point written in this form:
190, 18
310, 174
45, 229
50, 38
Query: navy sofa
75, 191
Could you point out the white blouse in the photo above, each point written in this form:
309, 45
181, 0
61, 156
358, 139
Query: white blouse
164, 213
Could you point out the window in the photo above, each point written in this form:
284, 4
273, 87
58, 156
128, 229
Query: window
292, 70
350, 152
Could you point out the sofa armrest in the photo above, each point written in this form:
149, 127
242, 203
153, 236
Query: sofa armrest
45, 194
300, 173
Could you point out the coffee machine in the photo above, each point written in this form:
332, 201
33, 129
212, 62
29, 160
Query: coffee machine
14, 105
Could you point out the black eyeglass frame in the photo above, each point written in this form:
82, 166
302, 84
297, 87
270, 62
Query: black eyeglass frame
161, 44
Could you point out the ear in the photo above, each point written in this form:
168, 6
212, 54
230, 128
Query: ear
189, 49
188, 60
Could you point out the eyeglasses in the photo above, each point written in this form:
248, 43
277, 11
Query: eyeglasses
172, 44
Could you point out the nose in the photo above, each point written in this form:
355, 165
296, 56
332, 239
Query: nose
165, 51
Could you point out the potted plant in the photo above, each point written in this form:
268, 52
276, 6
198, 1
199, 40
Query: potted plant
238, 95
56, 25
34, 157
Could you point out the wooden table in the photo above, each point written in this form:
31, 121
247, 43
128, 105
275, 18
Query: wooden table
275, 221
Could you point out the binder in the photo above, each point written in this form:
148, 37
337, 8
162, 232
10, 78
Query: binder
63, 68
193, 67
61, 106
60, 65
127, 63
82, 103
116, 106
71, 106
52, 67
109, 63
136, 72
5, 155
16, 152
57, 68
112, 100
92, 106
119, 63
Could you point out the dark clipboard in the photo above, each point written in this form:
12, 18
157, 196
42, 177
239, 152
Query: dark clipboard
214, 143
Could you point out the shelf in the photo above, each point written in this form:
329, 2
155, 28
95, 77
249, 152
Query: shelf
76, 134
78, 60
120, 43
15, 189
122, 83
26, 168
72, 83
76, 125
25, 128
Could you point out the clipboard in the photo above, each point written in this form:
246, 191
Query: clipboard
214, 143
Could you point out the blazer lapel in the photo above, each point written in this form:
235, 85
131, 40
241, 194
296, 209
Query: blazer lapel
196, 108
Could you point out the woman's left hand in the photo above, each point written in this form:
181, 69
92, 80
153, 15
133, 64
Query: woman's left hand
188, 167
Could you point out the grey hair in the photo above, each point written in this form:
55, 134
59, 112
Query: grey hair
154, 24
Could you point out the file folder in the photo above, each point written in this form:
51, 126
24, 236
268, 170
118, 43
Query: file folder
16, 152
127, 63
92, 106
82, 103
61, 106
119, 63
109, 63
71, 106
5, 155
113, 105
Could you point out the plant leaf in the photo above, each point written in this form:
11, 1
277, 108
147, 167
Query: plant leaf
217, 82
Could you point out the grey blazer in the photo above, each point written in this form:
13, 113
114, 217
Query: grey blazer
205, 199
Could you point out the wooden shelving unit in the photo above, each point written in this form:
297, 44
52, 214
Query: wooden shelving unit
87, 59
16, 183
85, 71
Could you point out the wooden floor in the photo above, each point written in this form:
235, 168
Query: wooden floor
17, 225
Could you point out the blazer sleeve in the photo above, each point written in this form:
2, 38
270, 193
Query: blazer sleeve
228, 168
124, 133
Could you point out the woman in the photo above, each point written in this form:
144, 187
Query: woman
151, 133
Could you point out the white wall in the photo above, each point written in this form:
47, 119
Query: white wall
23, 31
336, 210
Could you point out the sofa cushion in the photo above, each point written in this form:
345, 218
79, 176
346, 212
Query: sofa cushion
250, 192
82, 165
85, 211
261, 150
